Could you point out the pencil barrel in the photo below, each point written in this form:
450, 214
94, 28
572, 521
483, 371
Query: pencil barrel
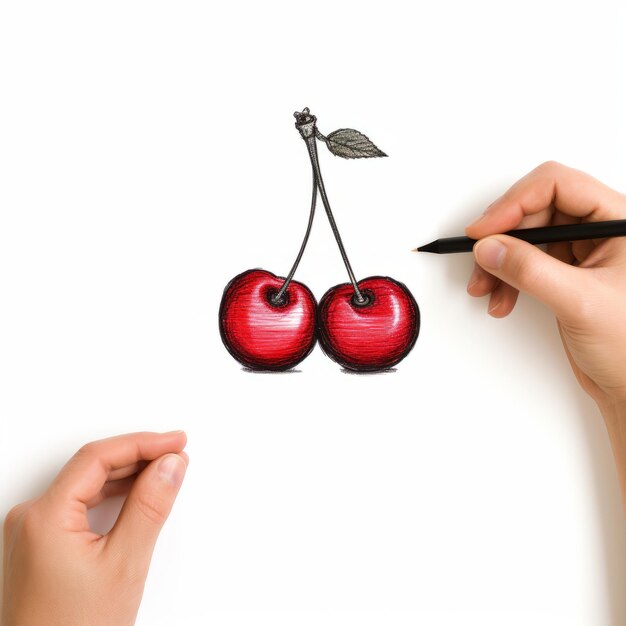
545, 234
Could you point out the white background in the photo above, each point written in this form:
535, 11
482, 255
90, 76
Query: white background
148, 154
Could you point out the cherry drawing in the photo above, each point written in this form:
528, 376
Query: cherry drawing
262, 331
272, 323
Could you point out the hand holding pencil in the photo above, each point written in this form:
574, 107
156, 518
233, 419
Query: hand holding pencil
554, 195
582, 282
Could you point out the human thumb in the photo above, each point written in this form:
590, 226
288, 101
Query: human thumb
146, 509
530, 270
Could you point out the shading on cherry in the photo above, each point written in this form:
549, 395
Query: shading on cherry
262, 329
375, 334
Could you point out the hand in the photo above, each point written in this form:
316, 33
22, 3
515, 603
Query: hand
56, 570
583, 283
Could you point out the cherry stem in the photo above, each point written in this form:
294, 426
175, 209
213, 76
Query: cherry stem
278, 297
312, 148
305, 123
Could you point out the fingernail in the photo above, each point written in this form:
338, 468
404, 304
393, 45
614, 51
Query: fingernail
172, 468
473, 279
490, 253
493, 306
174, 432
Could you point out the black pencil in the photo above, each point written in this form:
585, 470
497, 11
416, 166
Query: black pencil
545, 234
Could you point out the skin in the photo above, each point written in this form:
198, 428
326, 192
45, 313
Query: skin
581, 282
56, 570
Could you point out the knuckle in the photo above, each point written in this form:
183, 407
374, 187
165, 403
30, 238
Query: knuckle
87, 450
13, 516
30, 522
86, 453
550, 167
25, 517
152, 507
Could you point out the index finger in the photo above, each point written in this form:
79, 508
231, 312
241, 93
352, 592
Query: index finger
550, 187
88, 470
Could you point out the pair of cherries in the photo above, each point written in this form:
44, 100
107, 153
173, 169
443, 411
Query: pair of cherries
272, 323
262, 333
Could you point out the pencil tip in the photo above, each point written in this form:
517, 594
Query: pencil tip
429, 247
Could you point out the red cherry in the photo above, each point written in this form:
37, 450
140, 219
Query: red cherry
372, 336
262, 334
